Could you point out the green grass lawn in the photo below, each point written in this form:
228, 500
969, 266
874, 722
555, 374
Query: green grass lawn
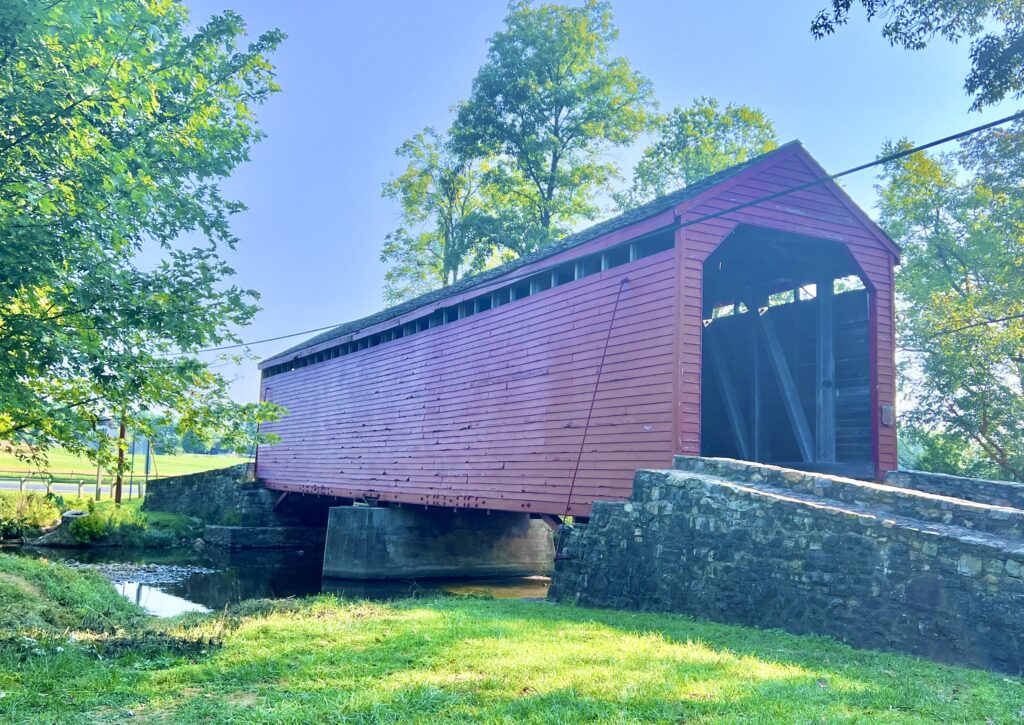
61, 461
324, 660
37, 598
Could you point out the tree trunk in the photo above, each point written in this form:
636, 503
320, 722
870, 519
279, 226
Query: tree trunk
120, 463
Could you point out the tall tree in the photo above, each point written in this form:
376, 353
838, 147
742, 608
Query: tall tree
960, 220
117, 123
995, 27
549, 101
441, 224
695, 142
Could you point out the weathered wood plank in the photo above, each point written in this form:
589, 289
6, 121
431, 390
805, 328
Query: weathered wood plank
733, 411
825, 376
790, 396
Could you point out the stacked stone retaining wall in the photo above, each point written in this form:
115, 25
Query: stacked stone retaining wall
767, 547
241, 513
224, 497
944, 507
999, 493
265, 537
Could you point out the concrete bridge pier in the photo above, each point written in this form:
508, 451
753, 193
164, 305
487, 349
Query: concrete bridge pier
369, 542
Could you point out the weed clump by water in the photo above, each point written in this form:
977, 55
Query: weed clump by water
27, 514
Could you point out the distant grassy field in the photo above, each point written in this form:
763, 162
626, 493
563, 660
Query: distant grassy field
61, 461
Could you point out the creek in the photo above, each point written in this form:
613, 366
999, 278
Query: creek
169, 582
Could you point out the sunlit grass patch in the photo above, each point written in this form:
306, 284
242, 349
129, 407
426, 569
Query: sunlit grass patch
470, 660
464, 660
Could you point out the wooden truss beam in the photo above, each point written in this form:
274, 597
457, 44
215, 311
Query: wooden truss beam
758, 440
825, 377
732, 404
790, 396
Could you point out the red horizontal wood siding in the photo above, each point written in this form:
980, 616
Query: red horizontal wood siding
491, 411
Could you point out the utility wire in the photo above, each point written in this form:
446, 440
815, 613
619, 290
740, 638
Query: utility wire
854, 169
971, 326
994, 321
258, 342
714, 215
593, 396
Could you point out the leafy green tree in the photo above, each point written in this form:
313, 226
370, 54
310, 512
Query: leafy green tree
118, 120
960, 221
441, 225
694, 142
995, 27
162, 434
549, 102
941, 452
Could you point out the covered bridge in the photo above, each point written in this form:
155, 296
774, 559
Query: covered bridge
711, 321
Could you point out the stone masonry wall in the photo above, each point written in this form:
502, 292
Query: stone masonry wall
265, 537
758, 555
998, 493
906, 501
223, 497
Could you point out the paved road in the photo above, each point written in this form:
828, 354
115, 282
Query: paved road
89, 489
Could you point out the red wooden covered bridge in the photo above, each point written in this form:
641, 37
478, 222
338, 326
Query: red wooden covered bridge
711, 321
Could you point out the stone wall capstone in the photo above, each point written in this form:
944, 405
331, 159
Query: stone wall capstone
764, 555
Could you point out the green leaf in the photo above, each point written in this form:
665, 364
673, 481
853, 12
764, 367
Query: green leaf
102, 112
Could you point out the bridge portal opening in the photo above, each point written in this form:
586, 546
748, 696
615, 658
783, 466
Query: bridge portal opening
786, 358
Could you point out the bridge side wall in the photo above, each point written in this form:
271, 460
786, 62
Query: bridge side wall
497, 410
728, 552
997, 493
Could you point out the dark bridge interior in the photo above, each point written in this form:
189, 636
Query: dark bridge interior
786, 357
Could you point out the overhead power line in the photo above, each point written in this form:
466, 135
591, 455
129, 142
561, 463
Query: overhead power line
260, 342
971, 326
714, 215
954, 330
861, 167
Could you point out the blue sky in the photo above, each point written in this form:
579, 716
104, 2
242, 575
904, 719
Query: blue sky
359, 77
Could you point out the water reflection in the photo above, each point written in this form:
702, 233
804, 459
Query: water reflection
532, 587
155, 601
228, 577
241, 575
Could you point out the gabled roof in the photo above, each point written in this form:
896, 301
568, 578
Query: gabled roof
627, 218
